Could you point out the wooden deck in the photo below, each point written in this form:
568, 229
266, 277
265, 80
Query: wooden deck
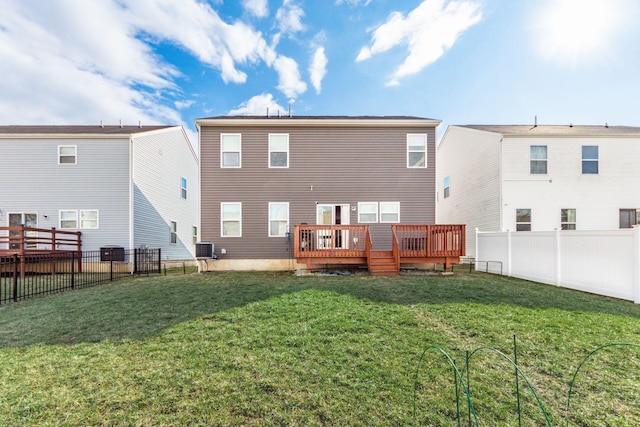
351, 244
31, 244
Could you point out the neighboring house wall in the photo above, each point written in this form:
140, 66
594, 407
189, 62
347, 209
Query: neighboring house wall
330, 162
161, 159
471, 160
35, 182
131, 176
467, 154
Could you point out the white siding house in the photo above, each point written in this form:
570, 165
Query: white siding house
118, 185
538, 178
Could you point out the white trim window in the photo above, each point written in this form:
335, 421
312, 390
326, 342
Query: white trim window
590, 157
538, 159
523, 219
278, 219
567, 219
194, 234
231, 219
183, 188
230, 150
278, 150
173, 233
447, 191
68, 219
67, 154
390, 212
367, 212
89, 219
416, 150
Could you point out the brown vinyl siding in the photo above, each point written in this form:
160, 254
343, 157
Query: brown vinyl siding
344, 165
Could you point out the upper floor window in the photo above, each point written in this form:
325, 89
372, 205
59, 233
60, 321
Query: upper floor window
173, 236
230, 150
538, 159
183, 188
523, 219
231, 219
278, 150
278, 219
446, 187
389, 211
416, 150
589, 159
67, 154
367, 212
568, 219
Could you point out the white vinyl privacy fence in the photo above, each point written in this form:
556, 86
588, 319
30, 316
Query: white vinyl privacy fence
601, 262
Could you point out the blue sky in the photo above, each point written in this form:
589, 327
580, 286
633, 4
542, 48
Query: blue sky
459, 61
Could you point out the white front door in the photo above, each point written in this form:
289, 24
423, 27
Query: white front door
332, 215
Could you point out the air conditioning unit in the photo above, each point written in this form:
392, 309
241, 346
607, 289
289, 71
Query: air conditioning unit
204, 250
112, 253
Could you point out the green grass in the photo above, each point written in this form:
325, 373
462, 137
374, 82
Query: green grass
264, 349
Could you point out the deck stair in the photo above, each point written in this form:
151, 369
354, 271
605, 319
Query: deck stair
383, 263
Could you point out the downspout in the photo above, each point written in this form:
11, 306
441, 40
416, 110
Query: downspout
131, 195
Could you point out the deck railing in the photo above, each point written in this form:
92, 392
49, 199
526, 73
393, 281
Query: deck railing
331, 241
21, 240
430, 240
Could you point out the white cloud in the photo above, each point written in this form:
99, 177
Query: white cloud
427, 31
258, 106
289, 81
258, 8
181, 105
353, 2
82, 62
318, 68
289, 17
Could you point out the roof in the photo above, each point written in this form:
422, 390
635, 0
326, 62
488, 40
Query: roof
76, 129
558, 130
286, 120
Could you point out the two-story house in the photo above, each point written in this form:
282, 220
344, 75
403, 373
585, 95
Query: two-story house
261, 176
532, 177
128, 186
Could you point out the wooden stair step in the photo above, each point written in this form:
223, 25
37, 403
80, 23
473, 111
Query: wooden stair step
382, 263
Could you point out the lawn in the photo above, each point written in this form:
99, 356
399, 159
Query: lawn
266, 349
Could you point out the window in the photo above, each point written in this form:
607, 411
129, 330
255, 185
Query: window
89, 219
389, 211
416, 150
67, 154
538, 159
367, 212
629, 217
589, 159
567, 219
446, 187
173, 237
230, 150
278, 150
278, 219
83, 219
183, 187
194, 233
231, 219
69, 219
523, 219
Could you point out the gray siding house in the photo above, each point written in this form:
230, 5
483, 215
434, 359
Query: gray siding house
129, 186
261, 176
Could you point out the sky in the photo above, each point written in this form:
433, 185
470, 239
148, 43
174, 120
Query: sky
459, 61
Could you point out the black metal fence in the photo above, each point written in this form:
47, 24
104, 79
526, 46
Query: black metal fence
24, 276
